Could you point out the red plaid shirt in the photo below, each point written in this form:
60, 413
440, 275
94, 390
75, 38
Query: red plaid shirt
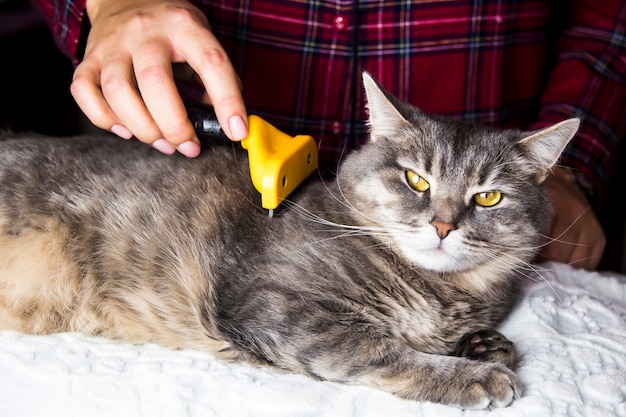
501, 63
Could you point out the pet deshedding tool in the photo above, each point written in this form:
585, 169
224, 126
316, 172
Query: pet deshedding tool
279, 163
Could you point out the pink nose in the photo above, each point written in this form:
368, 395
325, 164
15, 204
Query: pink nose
443, 228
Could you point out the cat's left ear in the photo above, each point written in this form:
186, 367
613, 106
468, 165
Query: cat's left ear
544, 147
385, 120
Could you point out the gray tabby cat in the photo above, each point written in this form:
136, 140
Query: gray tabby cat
380, 277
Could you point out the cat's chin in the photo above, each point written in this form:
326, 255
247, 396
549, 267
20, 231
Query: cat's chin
439, 261
439, 258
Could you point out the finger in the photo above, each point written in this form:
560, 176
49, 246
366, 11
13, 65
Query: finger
581, 256
221, 83
580, 248
559, 251
119, 90
153, 71
596, 255
590, 254
587, 256
85, 89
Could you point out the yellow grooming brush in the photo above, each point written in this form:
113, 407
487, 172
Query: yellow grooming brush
278, 162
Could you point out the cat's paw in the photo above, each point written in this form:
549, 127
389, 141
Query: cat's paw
487, 346
489, 386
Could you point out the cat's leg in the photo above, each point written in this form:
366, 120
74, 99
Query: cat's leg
355, 356
487, 346
425, 377
341, 343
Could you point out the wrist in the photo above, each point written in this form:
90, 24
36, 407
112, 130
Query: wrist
94, 8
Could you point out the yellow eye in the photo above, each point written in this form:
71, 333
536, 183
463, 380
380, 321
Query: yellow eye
416, 182
488, 198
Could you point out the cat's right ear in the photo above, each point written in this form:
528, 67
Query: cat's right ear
385, 121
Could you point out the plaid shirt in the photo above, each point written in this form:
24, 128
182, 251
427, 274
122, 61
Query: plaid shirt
503, 63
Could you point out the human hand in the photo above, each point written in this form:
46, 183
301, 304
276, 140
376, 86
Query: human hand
574, 235
125, 82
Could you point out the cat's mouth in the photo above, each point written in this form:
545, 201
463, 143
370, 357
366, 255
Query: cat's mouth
440, 256
442, 260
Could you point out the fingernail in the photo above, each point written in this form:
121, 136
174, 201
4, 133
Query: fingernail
190, 149
238, 128
164, 146
121, 131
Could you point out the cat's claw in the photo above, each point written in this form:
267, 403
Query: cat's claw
487, 346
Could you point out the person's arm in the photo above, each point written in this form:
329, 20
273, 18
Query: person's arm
125, 82
587, 81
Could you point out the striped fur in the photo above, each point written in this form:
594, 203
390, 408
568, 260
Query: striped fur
350, 282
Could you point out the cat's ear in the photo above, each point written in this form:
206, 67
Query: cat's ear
544, 147
385, 120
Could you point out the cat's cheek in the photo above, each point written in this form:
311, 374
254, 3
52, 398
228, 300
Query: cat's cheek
373, 193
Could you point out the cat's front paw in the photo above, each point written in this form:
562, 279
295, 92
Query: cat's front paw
487, 346
490, 386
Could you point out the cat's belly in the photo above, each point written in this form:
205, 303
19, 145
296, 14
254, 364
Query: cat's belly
43, 291
39, 286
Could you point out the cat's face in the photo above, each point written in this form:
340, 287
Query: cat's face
450, 196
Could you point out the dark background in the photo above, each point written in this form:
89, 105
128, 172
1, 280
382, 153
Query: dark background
34, 96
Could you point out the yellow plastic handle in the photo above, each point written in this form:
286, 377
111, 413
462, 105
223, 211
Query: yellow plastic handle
278, 162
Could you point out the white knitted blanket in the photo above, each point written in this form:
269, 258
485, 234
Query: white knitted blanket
569, 327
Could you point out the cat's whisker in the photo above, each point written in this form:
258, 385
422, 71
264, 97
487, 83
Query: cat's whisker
502, 248
557, 239
343, 200
517, 263
343, 231
332, 194
346, 203
521, 267
542, 280
346, 232
361, 229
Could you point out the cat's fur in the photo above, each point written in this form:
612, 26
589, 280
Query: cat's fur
351, 283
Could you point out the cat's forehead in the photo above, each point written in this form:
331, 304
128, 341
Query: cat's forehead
455, 138
457, 148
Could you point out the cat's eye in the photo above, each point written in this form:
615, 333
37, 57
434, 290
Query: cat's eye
416, 182
488, 198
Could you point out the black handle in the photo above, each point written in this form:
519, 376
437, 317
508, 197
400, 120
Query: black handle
204, 121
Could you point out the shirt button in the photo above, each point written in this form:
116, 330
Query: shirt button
340, 22
336, 127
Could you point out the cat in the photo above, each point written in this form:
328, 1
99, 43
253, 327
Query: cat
389, 275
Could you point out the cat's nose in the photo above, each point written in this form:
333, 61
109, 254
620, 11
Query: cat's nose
443, 228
